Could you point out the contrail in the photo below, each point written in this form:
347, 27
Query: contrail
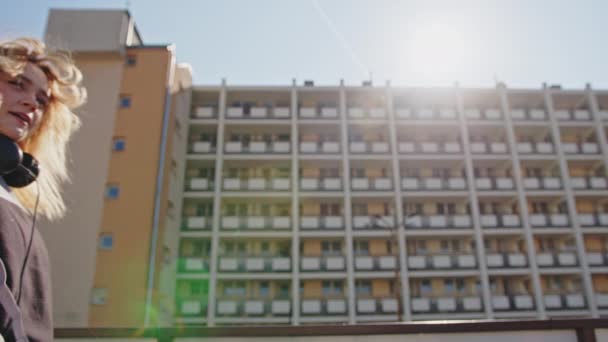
362, 67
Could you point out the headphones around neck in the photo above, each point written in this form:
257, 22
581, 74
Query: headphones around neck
18, 168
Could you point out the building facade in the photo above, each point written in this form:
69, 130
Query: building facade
308, 204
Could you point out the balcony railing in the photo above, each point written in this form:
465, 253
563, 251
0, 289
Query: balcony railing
494, 183
405, 113
325, 184
256, 222
373, 222
528, 114
378, 184
375, 263
327, 147
500, 221
549, 220
535, 148
368, 306
488, 114
192, 306
439, 221
366, 113
584, 148
442, 262
257, 147
257, 184
492, 147
254, 264
411, 147
321, 222
542, 183
592, 220
202, 147
196, 223
573, 115
565, 301
206, 112
369, 147
501, 302
258, 113
446, 304
253, 307
324, 306
318, 113
193, 264
597, 258
199, 184
432, 184
601, 298
506, 260
553, 259
589, 183
322, 263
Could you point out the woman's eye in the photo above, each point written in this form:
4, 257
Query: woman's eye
17, 83
42, 102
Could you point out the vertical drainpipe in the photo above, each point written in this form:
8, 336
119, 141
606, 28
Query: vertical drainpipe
159, 188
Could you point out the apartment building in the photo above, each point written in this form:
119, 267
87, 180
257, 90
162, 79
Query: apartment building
107, 254
305, 204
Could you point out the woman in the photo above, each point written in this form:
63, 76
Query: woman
38, 90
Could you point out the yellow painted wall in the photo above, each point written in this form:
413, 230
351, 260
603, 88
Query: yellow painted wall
311, 248
312, 289
377, 248
600, 283
381, 288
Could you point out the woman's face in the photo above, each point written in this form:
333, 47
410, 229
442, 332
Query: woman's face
23, 100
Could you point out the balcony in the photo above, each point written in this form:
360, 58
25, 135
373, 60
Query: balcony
254, 264
205, 112
325, 147
433, 184
258, 147
369, 306
256, 223
494, 183
258, 113
191, 306
256, 184
592, 220
564, 301
369, 147
542, 183
487, 114
203, 147
366, 113
322, 263
375, 263
588, 183
321, 222
366, 184
442, 262
193, 265
582, 148
513, 302
488, 148
500, 221
253, 307
597, 258
323, 306
528, 114
601, 298
412, 147
506, 260
197, 223
446, 304
405, 113
373, 222
318, 113
553, 259
535, 148
199, 184
324, 184
549, 220
439, 222
572, 115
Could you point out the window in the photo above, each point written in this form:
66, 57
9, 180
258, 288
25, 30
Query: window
234, 288
364, 288
99, 296
264, 289
283, 290
118, 144
361, 247
332, 287
425, 287
125, 101
131, 60
448, 286
112, 191
106, 241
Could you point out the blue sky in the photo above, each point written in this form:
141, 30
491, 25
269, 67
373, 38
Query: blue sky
410, 42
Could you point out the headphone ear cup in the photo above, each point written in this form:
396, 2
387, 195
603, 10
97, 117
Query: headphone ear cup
10, 155
24, 174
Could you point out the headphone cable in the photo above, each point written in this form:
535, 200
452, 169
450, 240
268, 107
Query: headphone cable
29, 245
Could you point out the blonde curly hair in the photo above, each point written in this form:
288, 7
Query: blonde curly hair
48, 143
